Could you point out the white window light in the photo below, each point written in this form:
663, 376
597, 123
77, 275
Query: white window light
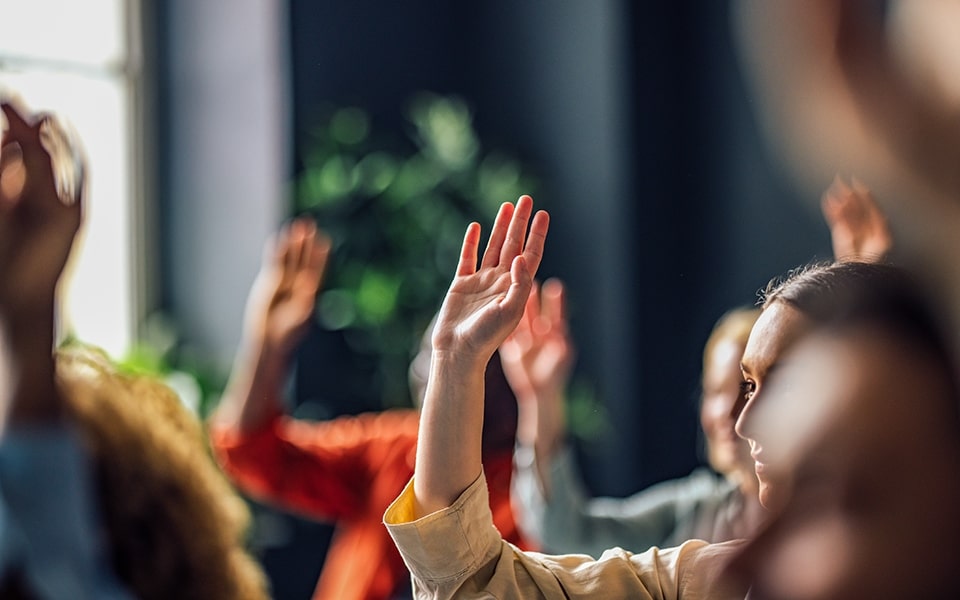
77, 59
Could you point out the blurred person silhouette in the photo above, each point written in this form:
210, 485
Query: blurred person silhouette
859, 426
869, 88
440, 521
108, 489
348, 469
552, 503
714, 504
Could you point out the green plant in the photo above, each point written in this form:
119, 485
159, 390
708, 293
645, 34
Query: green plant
397, 210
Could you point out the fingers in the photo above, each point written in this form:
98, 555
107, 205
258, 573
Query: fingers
553, 302
468, 252
520, 281
491, 256
533, 251
517, 232
319, 255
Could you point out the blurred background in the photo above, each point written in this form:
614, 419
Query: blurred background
209, 123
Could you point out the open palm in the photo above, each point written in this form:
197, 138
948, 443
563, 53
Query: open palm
484, 303
282, 300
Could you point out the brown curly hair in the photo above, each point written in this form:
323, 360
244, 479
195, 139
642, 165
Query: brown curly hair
174, 525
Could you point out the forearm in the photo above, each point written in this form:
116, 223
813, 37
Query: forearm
255, 387
541, 426
451, 427
30, 394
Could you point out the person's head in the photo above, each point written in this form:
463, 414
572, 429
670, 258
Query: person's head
499, 402
862, 422
174, 526
791, 306
720, 402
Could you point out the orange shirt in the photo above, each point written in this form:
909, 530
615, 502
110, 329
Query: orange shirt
346, 471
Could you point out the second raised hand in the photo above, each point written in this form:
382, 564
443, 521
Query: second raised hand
484, 304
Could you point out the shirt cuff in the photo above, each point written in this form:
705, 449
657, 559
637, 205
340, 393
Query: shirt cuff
450, 543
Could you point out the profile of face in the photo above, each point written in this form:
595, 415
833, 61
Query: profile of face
719, 408
864, 449
778, 327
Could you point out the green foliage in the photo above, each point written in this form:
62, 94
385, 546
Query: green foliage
397, 210
161, 352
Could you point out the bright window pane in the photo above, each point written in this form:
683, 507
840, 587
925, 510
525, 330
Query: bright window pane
99, 297
81, 31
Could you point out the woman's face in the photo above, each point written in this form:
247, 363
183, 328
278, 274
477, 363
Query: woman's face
778, 327
719, 408
864, 432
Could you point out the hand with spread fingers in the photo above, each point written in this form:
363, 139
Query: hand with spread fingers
858, 228
481, 308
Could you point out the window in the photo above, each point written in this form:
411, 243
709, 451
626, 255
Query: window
81, 60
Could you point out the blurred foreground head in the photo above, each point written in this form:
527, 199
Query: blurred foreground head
861, 438
175, 527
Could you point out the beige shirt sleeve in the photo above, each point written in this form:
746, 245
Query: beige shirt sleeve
457, 553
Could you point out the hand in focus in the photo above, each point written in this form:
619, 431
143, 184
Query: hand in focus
281, 302
37, 226
538, 355
858, 228
483, 305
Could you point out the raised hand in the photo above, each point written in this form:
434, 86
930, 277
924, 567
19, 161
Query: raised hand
279, 310
281, 302
483, 305
537, 359
37, 226
858, 228
538, 355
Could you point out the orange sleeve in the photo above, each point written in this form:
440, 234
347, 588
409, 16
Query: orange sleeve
322, 470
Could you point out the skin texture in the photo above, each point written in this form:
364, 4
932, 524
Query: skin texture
873, 456
719, 409
778, 327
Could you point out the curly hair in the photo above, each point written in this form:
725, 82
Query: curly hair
174, 525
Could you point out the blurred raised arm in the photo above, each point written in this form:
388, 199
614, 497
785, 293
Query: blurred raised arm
37, 230
537, 359
278, 313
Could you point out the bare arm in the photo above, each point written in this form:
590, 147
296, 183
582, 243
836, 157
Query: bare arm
537, 359
482, 307
278, 312
37, 229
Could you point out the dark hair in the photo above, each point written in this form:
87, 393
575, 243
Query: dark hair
843, 296
816, 289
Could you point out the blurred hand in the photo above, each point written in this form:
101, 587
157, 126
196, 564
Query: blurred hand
858, 228
282, 299
37, 226
538, 356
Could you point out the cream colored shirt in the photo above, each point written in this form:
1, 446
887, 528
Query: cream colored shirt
457, 553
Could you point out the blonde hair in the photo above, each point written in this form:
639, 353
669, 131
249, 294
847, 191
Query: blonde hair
734, 326
175, 526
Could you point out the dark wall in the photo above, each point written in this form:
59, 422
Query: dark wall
666, 207
666, 210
